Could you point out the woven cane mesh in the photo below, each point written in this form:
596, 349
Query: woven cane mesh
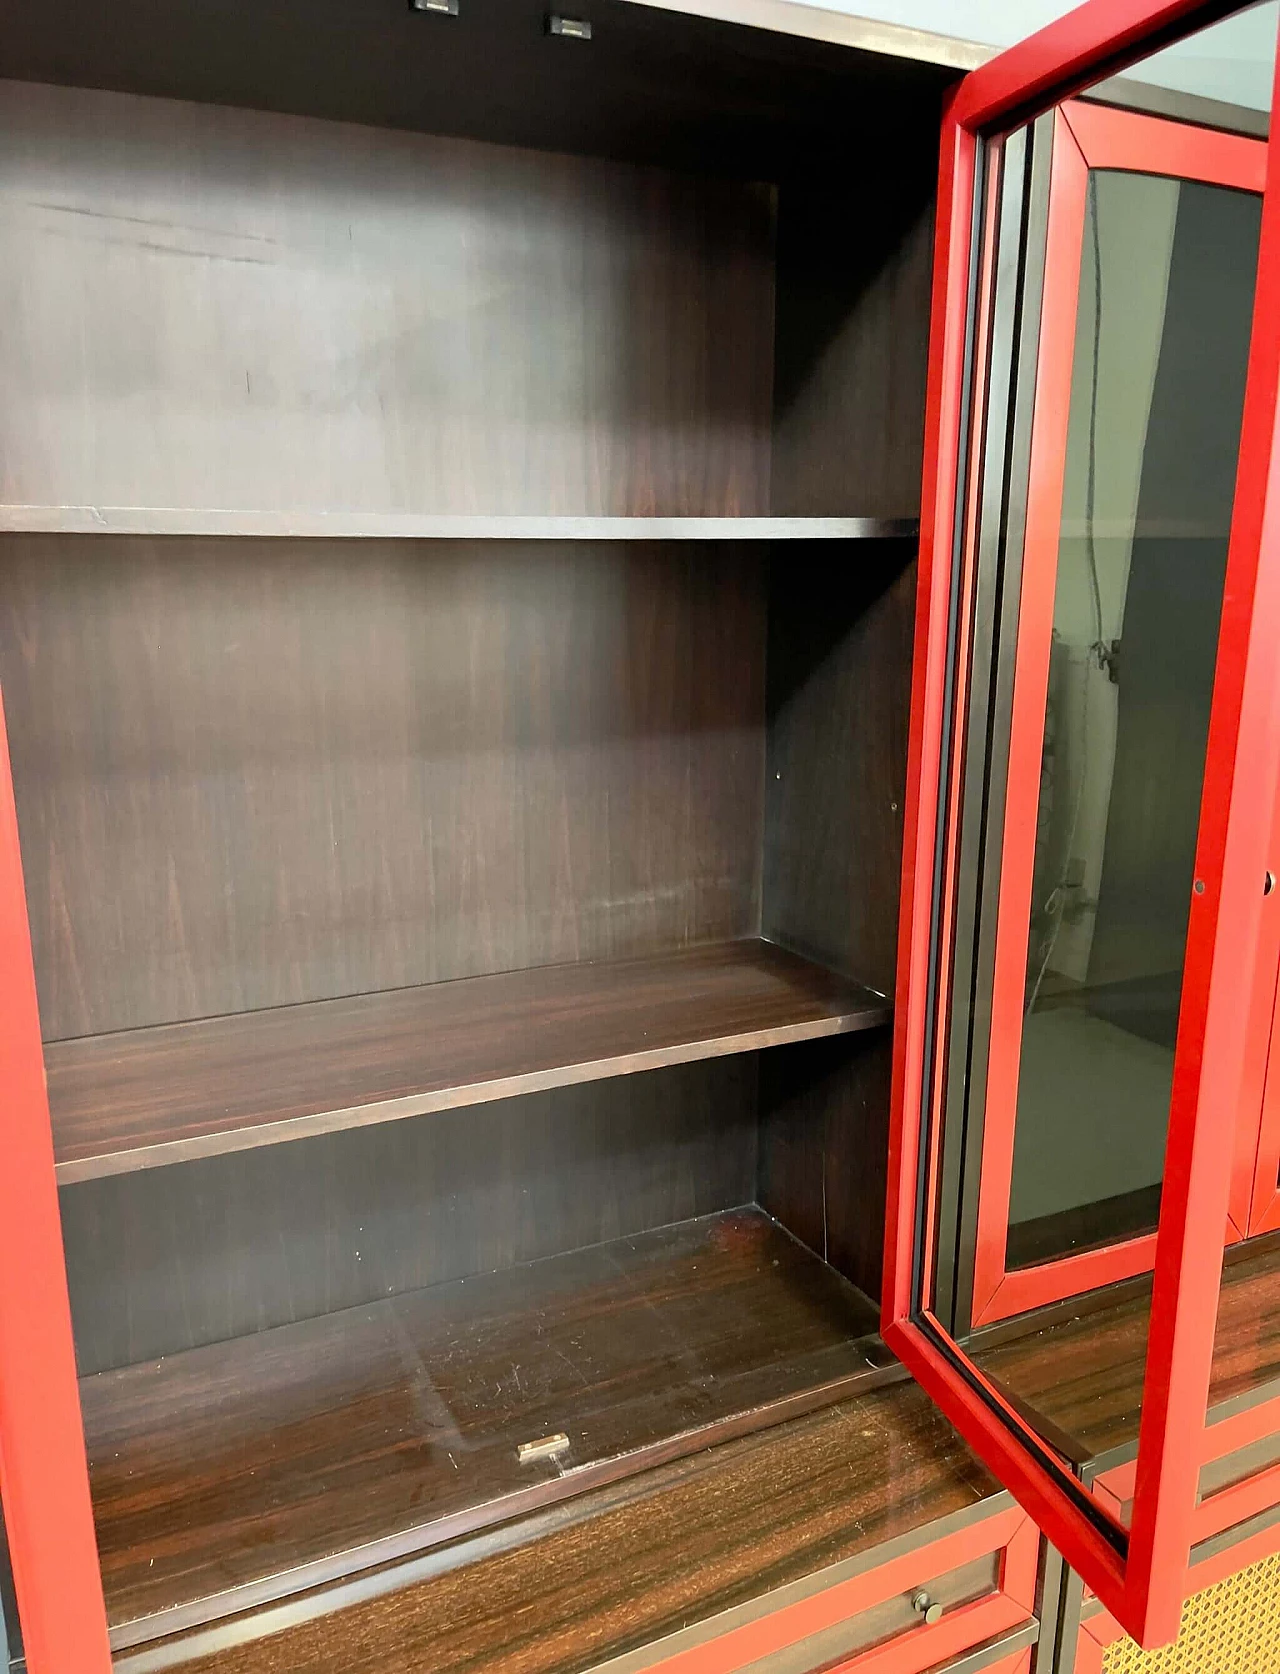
1233, 1628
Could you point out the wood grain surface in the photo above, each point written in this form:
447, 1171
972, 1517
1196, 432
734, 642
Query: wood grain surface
255, 1468
257, 773
162, 1095
167, 1259
824, 1149
838, 701
620, 1568
235, 309
854, 273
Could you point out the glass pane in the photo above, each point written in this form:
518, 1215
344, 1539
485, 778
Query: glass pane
1161, 347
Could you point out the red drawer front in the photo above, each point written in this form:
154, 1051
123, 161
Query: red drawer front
982, 1574
1240, 1473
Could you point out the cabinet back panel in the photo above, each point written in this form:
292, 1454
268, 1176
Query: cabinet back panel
225, 308
252, 772
170, 1258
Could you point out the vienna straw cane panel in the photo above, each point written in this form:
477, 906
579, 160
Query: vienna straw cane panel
1230, 1628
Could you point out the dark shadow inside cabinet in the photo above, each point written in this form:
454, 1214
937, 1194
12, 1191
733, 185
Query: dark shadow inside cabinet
462, 866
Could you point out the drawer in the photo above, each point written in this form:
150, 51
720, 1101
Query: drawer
1010, 1653
977, 1572
1239, 1478
994, 1656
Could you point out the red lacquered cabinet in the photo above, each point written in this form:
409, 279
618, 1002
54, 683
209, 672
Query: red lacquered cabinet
638, 780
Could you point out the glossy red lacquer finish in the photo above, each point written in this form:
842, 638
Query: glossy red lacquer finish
1139, 1578
1009, 1532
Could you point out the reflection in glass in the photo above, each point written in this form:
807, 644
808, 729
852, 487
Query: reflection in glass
1162, 333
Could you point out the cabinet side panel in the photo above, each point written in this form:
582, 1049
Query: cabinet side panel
824, 1138
208, 307
839, 669
839, 691
855, 266
255, 772
170, 1258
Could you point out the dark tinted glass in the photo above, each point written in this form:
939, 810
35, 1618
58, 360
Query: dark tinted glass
1166, 293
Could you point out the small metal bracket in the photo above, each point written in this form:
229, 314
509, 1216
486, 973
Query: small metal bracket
546, 1447
576, 28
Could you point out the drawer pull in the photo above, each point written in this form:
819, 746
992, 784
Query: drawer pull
927, 1608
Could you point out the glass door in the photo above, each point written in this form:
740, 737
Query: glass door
1095, 751
1150, 258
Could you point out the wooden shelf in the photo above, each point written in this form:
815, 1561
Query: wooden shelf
420, 526
150, 1097
248, 1471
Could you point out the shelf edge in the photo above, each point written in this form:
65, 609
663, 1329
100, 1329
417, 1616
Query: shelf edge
211, 521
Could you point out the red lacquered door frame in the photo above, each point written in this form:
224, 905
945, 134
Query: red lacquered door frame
1086, 136
44, 1478
1139, 1573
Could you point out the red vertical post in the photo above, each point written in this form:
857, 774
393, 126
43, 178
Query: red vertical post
44, 1478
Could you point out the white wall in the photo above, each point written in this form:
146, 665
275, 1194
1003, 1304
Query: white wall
1232, 60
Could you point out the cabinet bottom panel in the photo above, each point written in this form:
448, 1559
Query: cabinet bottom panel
250, 1470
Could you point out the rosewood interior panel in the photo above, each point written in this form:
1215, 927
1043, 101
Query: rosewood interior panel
170, 1258
838, 696
226, 308
253, 773
824, 1138
854, 278
257, 1467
